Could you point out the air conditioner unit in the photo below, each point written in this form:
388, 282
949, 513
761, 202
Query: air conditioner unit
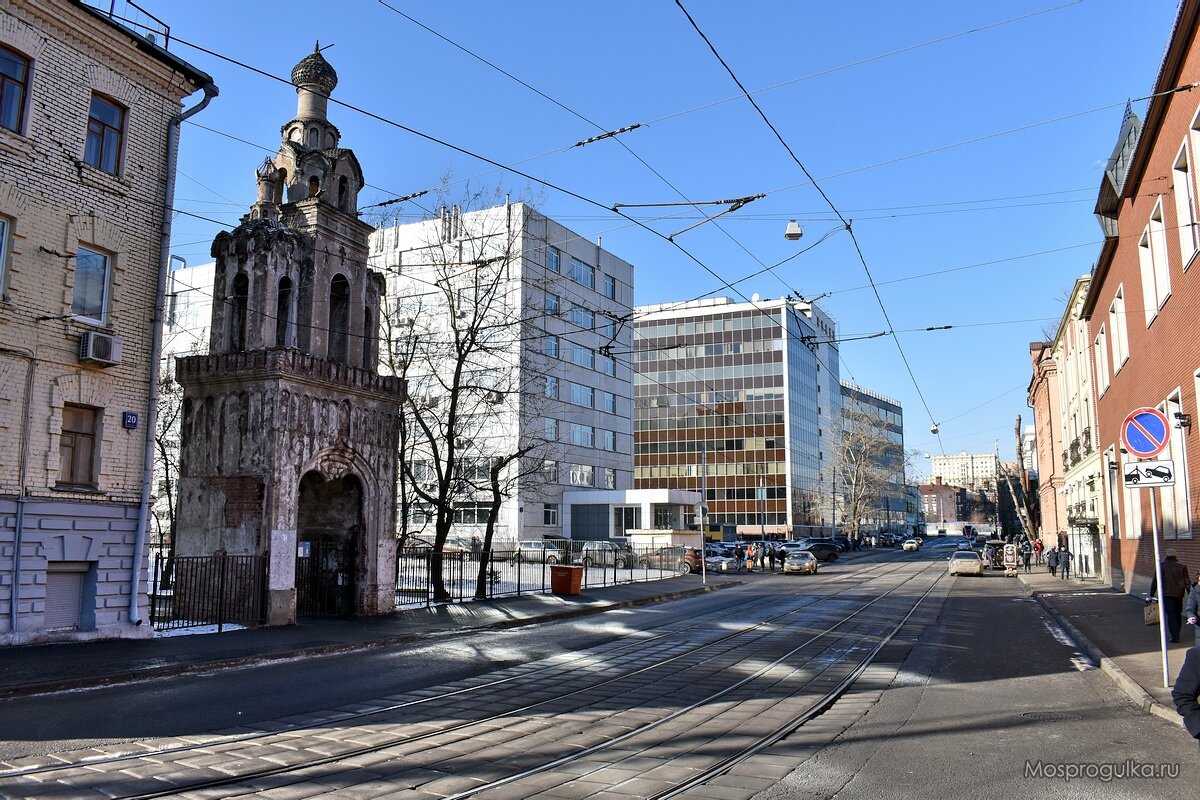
100, 348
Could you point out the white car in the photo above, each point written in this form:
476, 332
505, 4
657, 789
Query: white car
963, 562
911, 545
537, 553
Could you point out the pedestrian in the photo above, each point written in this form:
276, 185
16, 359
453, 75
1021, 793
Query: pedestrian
771, 557
1064, 562
738, 555
1176, 583
1026, 553
1052, 561
1037, 551
1192, 608
1186, 691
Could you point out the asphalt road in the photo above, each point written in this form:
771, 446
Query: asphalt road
979, 683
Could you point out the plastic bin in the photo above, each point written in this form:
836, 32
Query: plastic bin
566, 579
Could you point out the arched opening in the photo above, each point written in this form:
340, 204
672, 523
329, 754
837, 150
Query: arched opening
314, 138
329, 535
339, 320
314, 186
237, 312
279, 184
283, 314
343, 193
368, 351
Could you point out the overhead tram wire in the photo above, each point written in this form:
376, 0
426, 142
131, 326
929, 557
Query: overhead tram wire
605, 134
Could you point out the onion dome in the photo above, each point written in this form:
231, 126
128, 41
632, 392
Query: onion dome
313, 69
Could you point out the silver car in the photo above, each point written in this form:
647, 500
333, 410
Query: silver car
537, 553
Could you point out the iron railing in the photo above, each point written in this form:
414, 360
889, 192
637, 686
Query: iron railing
512, 573
221, 590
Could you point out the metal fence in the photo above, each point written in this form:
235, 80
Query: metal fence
512, 573
220, 590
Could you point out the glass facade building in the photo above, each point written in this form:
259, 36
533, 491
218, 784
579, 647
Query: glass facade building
749, 390
893, 504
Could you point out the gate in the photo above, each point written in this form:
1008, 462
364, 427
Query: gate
188, 591
325, 578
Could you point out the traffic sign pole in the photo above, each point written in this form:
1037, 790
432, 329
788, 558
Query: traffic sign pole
1158, 581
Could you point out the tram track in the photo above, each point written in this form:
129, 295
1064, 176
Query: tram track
45, 775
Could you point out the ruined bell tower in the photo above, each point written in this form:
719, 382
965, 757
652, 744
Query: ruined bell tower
289, 434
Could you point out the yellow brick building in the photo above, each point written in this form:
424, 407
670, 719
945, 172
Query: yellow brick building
89, 114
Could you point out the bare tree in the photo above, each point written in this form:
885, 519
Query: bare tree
460, 324
867, 466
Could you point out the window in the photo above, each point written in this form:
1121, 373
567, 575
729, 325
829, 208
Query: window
608, 440
583, 356
1102, 375
339, 320
583, 318
90, 295
553, 259
550, 514
610, 287
609, 328
471, 513
608, 402
582, 475
1120, 334
583, 274
1177, 518
550, 346
1152, 256
4, 225
14, 83
1185, 204
550, 429
552, 303
106, 126
77, 450
582, 395
610, 478
583, 435
608, 365
552, 387
550, 471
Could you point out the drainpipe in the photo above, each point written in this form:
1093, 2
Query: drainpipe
23, 460
139, 541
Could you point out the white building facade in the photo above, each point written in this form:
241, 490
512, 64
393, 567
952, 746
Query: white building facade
556, 369
968, 470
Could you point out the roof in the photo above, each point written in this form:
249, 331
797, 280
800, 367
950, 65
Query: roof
194, 76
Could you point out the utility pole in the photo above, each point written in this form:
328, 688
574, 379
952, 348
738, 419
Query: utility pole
762, 485
703, 512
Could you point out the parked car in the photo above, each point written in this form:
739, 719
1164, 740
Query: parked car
801, 561
454, 544
966, 562
823, 549
676, 558
604, 554
911, 545
843, 543
537, 552
719, 549
720, 564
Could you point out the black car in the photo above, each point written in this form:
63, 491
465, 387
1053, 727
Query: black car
823, 549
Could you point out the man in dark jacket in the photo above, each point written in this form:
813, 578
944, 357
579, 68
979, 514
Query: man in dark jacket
1176, 583
1186, 691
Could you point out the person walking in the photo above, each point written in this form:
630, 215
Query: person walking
1187, 691
1037, 551
1026, 554
1052, 561
1192, 608
771, 558
738, 555
1176, 583
1064, 562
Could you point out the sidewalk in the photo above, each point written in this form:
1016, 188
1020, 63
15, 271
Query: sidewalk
38, 669
1108, 625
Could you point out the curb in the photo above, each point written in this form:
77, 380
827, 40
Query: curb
1140, 697
131, 677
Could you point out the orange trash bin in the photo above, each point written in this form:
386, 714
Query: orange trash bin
566, 579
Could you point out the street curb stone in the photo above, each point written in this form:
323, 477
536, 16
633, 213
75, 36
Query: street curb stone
154, 673
1140, 697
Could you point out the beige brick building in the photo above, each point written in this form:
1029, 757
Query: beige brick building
88, 130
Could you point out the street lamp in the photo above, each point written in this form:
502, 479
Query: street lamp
793, 232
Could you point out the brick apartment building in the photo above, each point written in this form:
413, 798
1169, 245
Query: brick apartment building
1141, 308
88, 130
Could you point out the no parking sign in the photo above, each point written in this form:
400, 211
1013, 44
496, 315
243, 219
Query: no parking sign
1145, 432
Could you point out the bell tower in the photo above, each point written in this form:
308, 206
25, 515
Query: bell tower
289, 434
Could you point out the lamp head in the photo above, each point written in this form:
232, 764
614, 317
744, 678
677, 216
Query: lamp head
793, 232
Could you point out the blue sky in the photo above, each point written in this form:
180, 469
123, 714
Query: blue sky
905, 113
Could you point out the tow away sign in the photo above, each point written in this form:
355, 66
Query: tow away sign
1144, 474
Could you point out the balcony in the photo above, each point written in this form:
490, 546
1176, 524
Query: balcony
1074, 449
1086, 437
1066, 462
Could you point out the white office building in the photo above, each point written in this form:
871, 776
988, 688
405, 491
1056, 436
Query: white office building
554, 372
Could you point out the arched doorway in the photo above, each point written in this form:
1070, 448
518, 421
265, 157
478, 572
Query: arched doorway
329, 532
